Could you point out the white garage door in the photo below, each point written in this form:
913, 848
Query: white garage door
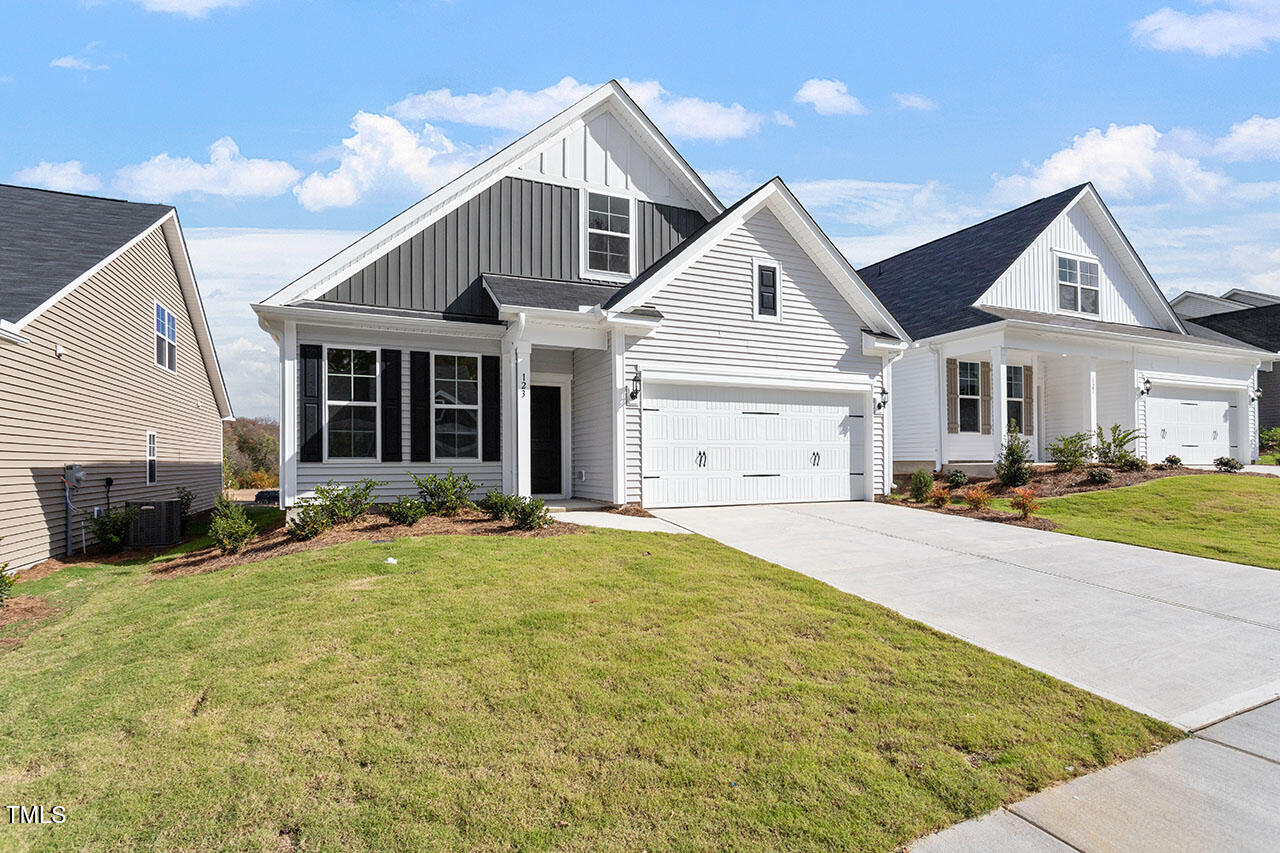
704, 446
1197, 425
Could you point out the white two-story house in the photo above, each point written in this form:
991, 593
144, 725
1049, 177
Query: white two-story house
1045, 321
580, 316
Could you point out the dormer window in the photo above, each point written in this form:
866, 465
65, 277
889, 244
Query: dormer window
608, 235
1077, 285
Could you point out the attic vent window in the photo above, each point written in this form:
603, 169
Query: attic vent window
609, 235
166, 339
1077, 285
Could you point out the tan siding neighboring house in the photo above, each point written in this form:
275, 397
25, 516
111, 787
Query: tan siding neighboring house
95, 404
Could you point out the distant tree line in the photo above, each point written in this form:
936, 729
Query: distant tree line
251, 453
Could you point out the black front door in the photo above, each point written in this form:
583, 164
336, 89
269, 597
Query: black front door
544, 440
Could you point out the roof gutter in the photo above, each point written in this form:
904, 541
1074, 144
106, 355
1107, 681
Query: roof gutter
9, 334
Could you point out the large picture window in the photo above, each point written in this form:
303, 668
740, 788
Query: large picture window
351, 388
166, 339
970, 394
455, 398
609, 234
1077, 285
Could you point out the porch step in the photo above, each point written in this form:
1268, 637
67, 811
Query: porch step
577, 505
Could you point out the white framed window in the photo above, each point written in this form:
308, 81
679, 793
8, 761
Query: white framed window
969, 391
151, 458
608, 248
767, 303
1013, 386
166, 339
1078, 281
455, 406
351, 403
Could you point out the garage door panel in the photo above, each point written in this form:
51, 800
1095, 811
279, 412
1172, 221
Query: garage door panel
1194, 424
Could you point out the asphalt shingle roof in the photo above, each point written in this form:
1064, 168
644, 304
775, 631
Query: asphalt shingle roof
48, 239
931, 289
1257, 326
522, 292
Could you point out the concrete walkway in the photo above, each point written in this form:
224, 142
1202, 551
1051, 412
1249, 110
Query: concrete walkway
1188, 640
616, 521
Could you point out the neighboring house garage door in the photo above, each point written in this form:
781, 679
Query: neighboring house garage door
704, 446
1196, 425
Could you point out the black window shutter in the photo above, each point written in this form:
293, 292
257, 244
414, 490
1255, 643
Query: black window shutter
391, 451
311, 446
491, 408
420, 406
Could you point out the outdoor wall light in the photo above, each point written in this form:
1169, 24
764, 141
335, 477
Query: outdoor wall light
634, 393
1146, 388
1257, 394
884, 399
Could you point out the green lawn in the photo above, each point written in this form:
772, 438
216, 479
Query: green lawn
1224, 516
604, 691
1273, 459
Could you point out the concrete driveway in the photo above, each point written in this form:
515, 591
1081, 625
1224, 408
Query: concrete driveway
1184, 639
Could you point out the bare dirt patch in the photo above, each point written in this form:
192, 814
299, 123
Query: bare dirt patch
630, 509
375, 528
23, 608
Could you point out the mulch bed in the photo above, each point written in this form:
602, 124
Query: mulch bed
1013, 518
630, 509
375, 528
1052, 483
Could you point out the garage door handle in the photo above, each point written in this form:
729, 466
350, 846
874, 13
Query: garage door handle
701, 459
815, 459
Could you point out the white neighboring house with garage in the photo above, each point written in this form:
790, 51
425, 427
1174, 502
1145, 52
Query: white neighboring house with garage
580, 317
1046, 319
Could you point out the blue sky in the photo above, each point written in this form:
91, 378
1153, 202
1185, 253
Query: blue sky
282, 130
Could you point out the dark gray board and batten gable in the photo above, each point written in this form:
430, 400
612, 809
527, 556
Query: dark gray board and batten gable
515, 227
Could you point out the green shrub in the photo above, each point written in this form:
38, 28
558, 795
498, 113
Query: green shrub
1227, 465
1131, 462
1269, 440
1172, 461
309, 520
956, 478
1026, 502
447, 495
229, 526
1101, 476
186, 498
498, 504
6, 582
1070, 452
529, 513
940, 495
407, 510
111, 529
1013, 468
1114, 449
921, 485
345, 503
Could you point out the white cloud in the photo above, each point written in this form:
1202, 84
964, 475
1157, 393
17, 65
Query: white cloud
729, 184
783, 119
228, 173
239, 266
1236, 27
383, 154
190, 8
829, 97
1124, 162
76, 63
520, 111
912, 101
1256, 138
68, 176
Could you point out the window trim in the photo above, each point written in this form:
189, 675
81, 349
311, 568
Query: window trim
584, 201
1021, 400
1057, 306
961, 397
152, 454
479, 407
155, 336
756, 264
376, 405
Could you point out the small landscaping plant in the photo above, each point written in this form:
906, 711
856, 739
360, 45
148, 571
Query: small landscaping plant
977, 497
940, 495
1070, 452
345, 503
1132, 462
529, 513
111, 529
1013, 468
407, 510
309, 521
1227, 465
921, 485
1172, 461
1269, 440
956, 478
1113, 449
1101, 476
497, 503
186, 498
229, 526
6, 581
447, 495
1026, 501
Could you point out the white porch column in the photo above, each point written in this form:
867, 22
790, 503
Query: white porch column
617, 361
521, 422
942, 408
289, 414
999, 400
1090, 407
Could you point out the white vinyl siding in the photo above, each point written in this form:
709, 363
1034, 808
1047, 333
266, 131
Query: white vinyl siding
915, 400
592, 466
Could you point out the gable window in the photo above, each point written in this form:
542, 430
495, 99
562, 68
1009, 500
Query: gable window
970, 394
1014, 394
351, 403
1077, 285
609, 235
455, 399
151, 458
767, 303
166, 339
